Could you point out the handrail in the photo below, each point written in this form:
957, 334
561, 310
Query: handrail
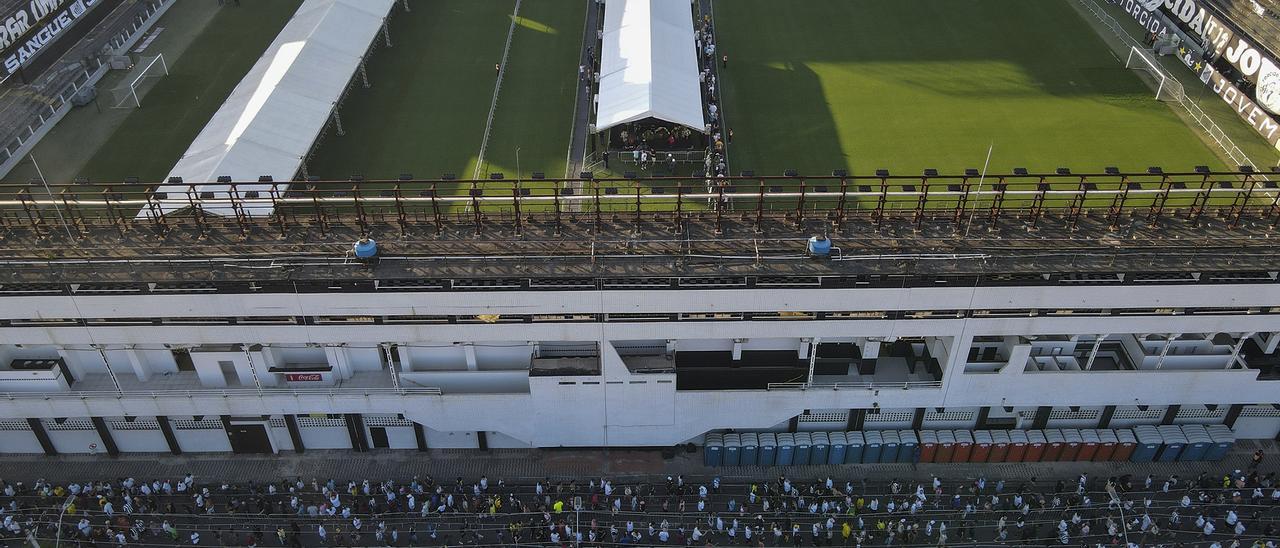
905, 386
233, 393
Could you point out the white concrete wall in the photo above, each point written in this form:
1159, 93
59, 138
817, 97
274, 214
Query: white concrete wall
642, 409
75, 441
19, 441
202, 441
280, 437
142, 441
437, 439
325, 437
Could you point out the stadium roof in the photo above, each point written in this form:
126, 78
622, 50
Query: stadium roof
269, 123
649, 64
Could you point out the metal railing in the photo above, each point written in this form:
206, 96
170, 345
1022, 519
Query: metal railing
906, 385
217, 393
1114, 197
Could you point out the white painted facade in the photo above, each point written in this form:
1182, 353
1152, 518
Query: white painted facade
458, 380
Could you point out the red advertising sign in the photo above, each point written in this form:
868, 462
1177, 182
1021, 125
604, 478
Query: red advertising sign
302, 377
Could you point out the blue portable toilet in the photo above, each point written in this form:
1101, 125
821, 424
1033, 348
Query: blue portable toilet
804, 446
1223, 438
768, 449
732, 449
712, 450
750, 450
908, 445
853, 452
839, 447
1198, 442
889, 448
820, 447
1174, 442
871, 451
786, 449
1149, 443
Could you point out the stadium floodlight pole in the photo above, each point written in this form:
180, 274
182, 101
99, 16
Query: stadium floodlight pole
517, 165
48, 191
57, 537
974, 211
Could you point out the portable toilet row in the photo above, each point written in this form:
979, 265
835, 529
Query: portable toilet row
1174, 442
1142, 444
1223, 438
1149, 443
712, 450
1198, 442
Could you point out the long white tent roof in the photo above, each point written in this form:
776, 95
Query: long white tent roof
649, 64
273, 117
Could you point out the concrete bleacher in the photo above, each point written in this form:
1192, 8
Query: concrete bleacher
29, 110
1263, 29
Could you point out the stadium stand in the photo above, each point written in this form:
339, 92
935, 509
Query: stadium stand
28, 111
1258, 19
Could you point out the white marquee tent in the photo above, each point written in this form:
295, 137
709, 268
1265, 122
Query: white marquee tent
649, 64
273, 117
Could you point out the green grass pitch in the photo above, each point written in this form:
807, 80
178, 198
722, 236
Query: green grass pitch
152, 139
909, 85
426, 110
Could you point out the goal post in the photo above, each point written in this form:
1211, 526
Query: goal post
1142, 61
135, 85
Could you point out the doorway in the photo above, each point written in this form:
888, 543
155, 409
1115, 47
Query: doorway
249, 439
183, 359
378, 435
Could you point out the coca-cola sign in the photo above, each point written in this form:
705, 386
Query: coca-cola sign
302, 377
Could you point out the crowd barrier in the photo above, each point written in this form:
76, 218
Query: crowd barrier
1170, 443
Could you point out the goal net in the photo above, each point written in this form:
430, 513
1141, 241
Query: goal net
140, 79
1148, 68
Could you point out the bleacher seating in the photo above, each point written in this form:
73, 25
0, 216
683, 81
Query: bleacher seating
1263, 29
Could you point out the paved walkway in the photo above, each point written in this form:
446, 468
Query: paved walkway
533, 464
582, 112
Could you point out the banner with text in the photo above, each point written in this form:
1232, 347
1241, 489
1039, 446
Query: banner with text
17, 23
1250, 112
29, 44
1252, 62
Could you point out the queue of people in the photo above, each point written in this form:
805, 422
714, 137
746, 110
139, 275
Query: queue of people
1234, 509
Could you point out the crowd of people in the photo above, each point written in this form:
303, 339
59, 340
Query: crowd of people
714, 162
1229, 510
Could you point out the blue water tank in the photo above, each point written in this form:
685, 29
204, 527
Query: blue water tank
819, 246
366, 248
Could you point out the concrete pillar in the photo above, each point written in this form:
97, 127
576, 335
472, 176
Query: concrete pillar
42, 435
1233, 413
1272, 340
405, 356
470, 351
104, 434
1104, 421
1235, 350
420, 436
1041, 419
737, 350
139, 366
169, 438
295, 434
337, 358
671, 347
